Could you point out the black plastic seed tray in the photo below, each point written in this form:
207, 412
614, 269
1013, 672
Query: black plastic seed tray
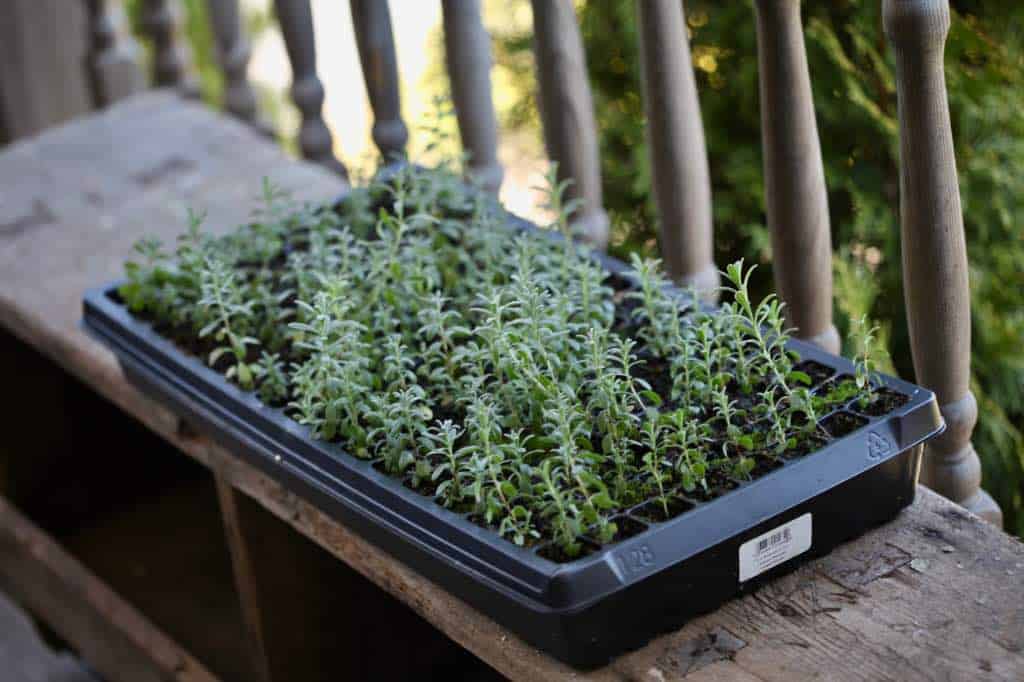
614, 599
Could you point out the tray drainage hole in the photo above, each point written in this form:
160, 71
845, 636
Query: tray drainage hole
657, 512
554, 552
818, 372
885, 401
842, 423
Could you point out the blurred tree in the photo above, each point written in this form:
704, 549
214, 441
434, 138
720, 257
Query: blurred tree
855, 100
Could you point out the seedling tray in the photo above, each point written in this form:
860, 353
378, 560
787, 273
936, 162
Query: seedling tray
588, 610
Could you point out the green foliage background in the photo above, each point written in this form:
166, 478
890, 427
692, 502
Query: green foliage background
855, 100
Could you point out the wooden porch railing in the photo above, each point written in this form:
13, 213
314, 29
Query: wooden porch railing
171, 55
233, 55
934, 253
935, 282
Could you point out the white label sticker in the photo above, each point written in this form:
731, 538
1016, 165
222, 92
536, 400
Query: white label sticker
782, 543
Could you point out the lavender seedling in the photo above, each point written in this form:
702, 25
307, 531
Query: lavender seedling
559, 508
682, 435
226, 319
444, 436
655, 466
270, 372
864, 363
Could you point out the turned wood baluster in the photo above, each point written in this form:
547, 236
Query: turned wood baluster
935, 278
296, 19
372, 24
113, 57
171, 56
567, 112
794, 177
468, 50
233, 52
679, 162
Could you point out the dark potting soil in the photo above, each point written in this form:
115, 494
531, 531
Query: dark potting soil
628, 527
818, 372
658, 510
885, 401
554, 552
839, 424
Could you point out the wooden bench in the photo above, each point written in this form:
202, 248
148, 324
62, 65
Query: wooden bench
936, 594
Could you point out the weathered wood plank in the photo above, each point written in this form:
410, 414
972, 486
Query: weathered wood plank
935, 277
934, 594
118, 641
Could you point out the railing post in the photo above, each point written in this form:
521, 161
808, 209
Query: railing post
296, 19
372, 23
567, 112
171, 56
468, 50
233, 52
794, 177
679, 161
113, 55
935, 278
